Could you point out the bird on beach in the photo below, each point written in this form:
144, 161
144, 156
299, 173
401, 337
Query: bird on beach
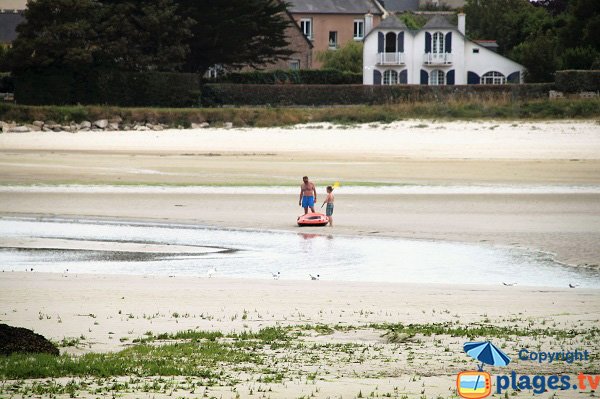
276, 275
573, 285
314, 277
508, 284
211, 272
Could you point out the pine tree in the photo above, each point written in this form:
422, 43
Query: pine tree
233, 33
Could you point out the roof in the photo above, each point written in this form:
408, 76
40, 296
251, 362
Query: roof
9, 19
13, 4
334, 7
487, 43
400, 5
439, 22
392, 22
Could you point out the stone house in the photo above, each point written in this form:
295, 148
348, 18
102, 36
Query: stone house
437, 54
330, 24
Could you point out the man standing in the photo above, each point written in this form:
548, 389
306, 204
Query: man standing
308, 195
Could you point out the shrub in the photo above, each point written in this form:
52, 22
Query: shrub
321, 95
576, 81
302, 76
107, 87
7, 83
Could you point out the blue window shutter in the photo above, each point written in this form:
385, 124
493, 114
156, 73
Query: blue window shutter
514, 77
450, 77
427, 42
380, 42
376, 77
401, 42
472, 78
404, 77
449, 42
424, 77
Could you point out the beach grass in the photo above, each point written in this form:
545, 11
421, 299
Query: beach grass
343, 115
252, 362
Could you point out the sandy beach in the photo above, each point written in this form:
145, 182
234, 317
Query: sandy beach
528, 185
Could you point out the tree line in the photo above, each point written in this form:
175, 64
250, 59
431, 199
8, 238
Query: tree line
543, 35
193, 35
148, 35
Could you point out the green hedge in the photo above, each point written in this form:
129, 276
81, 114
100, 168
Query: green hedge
302, 76
157, 89
577, 81
7, 83
319, 95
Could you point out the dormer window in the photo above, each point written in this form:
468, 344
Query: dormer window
437, 43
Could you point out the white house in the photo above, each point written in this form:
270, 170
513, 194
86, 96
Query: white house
437, 54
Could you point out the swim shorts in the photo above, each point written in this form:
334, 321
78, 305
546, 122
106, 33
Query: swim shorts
329, 209
308, 202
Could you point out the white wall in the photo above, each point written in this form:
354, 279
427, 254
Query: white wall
487, 61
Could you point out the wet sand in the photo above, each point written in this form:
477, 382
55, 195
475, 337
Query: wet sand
453, 153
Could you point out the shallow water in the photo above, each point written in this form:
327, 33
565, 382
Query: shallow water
289, 190
255, 254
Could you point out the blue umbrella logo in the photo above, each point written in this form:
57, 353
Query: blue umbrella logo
486, 353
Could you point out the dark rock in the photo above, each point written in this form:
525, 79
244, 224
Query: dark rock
22, 340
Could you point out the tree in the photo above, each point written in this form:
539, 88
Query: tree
538, 54
138, 35
77, 34
234, 33
57, 33
348, 58
509, 22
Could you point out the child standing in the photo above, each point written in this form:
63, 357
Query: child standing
329, 201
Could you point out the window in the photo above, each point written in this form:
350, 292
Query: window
295, 64
493, 78
306, 27
437, 44
437, 78
359, 29
390, 77
475, 51
214, 71
333, 43
390, 42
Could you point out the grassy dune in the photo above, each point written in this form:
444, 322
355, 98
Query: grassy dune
267, 117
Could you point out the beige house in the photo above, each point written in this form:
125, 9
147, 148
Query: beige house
329, 24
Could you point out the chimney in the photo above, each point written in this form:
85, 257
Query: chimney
462, 22
368, 23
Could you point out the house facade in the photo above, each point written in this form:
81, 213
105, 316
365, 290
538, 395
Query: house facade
330, 24
300, 46
437, 54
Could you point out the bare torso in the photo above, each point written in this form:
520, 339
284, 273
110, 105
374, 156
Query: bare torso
308, 189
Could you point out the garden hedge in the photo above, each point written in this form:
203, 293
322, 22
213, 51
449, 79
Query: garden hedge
154, 89
318, 95
301, 76
571, 81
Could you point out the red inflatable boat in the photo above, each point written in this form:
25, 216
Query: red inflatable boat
313, 219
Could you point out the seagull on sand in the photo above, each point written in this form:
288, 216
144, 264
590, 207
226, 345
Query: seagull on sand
211, 272
508, 284
314, 277
573, 285
276, 275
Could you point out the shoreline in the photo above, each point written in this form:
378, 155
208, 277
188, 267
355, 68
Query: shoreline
509, 184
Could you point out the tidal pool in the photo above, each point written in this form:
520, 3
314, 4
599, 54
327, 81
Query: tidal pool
117, 247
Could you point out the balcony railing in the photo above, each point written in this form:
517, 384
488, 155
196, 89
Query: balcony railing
437, 58
391, 58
